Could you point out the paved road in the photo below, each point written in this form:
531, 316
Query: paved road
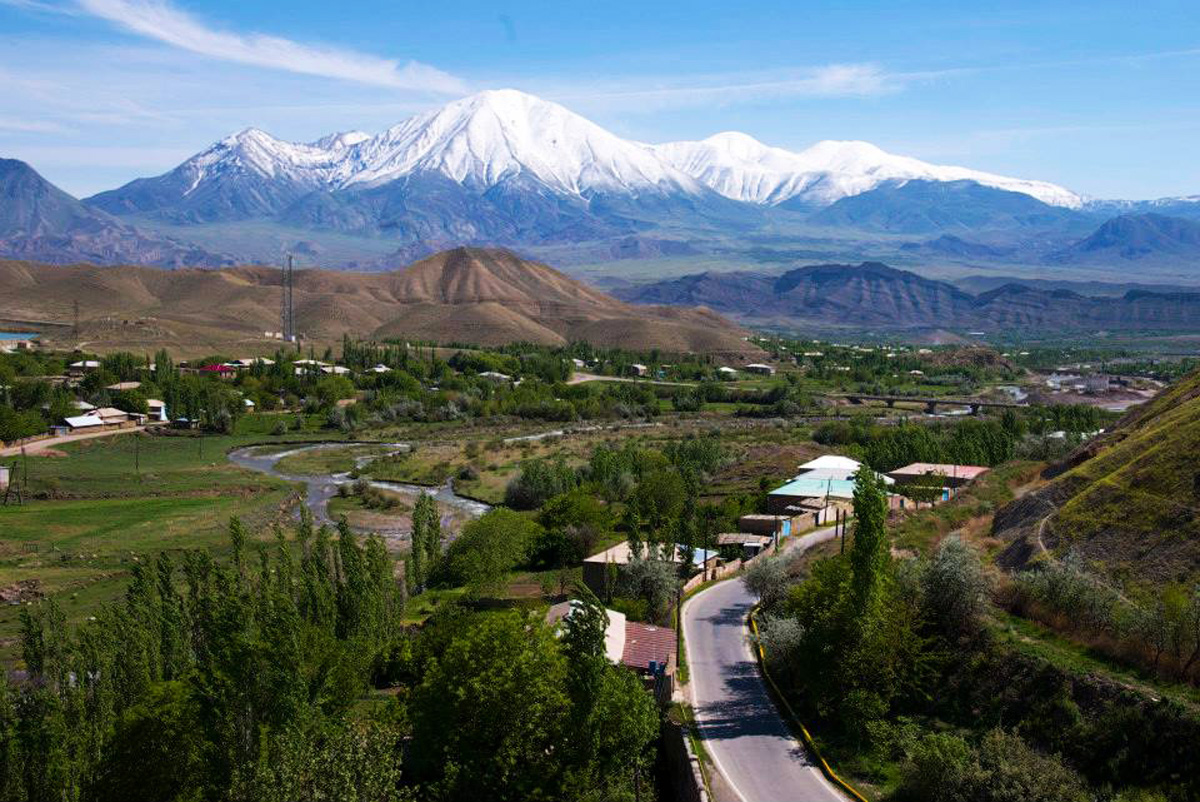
743, 732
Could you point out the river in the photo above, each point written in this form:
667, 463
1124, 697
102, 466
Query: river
320, 488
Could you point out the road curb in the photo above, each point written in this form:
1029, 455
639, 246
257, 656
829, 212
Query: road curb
807, 738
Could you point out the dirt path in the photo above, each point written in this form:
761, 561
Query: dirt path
38, 446
580, 378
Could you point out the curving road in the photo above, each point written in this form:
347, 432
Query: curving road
743, 732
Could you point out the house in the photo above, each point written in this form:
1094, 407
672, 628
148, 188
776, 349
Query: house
725, 372
81, 423
819, 486
335, 370
111, 416
951, 477
82, 366
157, 409
760, 368
596, 568
380, 368
766, 525
220, 371
248, 404
578, 363
751, 545
495, 376
645, 648
638, 369
121, 387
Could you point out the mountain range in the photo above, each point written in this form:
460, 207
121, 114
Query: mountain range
506, 168
875, 296
468, 295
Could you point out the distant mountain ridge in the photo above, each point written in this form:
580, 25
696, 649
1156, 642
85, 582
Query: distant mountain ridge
505, 168
39, 221
876, 296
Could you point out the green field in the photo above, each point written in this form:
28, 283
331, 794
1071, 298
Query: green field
107, 502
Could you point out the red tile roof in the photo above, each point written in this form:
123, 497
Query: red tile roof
645, 642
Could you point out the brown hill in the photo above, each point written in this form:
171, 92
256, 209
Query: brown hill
485, 296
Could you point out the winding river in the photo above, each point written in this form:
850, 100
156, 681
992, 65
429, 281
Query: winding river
320, 488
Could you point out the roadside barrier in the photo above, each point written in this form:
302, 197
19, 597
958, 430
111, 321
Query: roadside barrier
826, 769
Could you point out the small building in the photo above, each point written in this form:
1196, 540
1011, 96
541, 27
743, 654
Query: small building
82, 366
821, 484
596, 567
751, 545
952, 477
638, 369
495, 376
113, 417
766, 525
248, 404
380, 368
121, 387
645, 648
81, 423
577, 363
220, 371
759, 368
157, 410
726, 372
335, 370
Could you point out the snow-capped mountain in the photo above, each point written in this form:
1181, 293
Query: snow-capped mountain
740, 167
505, 167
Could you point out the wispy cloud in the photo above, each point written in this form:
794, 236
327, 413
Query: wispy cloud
162, 22
38, 6
829, 81
30, 126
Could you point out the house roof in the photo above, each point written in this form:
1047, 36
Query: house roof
802, 487
738, 538
85, 363
646, 642
831, 461
957, 471
124, 386
216, 368
83, 421
614, 634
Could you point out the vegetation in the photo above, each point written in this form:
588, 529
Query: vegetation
249, 680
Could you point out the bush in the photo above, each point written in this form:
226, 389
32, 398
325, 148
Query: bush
538, 481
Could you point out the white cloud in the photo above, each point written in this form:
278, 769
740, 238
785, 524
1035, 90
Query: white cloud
160, 21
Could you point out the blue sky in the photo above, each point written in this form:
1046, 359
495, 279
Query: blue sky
1101, 97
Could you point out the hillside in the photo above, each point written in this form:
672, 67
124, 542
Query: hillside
485, 296
929, 207
1137, 237
40, 221
877, 296
1127, 502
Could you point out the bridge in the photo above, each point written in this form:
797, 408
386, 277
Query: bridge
976, 405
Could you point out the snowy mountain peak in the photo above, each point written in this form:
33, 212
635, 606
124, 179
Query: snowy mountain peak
340, 140
740, 167
502, 135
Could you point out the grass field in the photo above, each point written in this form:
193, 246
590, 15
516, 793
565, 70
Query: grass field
109, 501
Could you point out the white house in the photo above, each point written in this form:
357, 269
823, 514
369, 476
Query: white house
760, 368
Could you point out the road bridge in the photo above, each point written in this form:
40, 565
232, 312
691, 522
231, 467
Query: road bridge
976, 405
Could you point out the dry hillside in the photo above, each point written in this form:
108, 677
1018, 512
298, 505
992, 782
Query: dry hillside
485, 296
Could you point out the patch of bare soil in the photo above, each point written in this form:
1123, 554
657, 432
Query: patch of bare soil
21, 591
